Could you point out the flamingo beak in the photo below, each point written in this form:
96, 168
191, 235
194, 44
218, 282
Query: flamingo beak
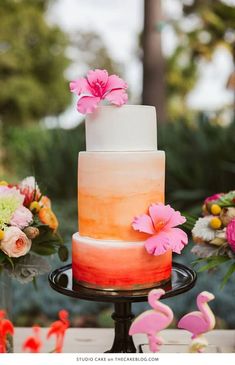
209, 296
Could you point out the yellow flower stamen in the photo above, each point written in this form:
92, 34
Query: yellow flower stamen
215, 223
215, 209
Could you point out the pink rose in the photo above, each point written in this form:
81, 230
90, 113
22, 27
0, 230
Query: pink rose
15, 243
230, 234
22, 217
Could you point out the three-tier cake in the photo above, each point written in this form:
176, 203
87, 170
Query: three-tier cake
119, 176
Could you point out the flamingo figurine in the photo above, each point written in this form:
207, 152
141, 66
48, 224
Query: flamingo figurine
154, 320
6, 328
33, 343
58, 328
199, 322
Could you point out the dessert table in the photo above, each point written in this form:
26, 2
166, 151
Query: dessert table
97, 340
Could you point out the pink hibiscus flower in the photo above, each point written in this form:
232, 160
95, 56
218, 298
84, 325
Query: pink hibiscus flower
98, 85
161, 224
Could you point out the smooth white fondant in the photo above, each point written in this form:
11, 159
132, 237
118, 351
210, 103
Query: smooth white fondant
106, 243
125, 128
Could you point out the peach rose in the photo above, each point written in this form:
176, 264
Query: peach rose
15, 242
47, 217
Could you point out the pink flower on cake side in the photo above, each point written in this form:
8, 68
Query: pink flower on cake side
97, 86
230, 234
161, 224
21, 218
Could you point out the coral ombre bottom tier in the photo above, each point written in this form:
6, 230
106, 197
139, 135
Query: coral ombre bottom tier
117, 265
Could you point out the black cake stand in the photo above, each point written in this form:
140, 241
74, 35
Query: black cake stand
61, 280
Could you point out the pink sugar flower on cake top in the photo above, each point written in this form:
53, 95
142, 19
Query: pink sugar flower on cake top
160, 224
97, 86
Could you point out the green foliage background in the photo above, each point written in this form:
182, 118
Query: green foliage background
32, 64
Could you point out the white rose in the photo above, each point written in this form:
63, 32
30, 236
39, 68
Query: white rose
15, 242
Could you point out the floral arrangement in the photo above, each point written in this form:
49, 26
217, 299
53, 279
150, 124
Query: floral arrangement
161, 226
28, 230
34, 343
214, 233
98, 85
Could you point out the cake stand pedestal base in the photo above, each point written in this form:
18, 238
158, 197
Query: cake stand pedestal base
122, 317
61, 280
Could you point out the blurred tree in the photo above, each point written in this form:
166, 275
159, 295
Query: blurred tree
215, 21
32, 63
89, 50
210, 24
153, 62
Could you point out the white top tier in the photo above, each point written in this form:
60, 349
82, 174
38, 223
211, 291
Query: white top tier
125, 128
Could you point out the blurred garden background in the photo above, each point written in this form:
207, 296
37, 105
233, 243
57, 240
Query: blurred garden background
178, 55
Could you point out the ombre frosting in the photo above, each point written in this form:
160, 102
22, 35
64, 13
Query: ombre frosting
113, 187
115, 265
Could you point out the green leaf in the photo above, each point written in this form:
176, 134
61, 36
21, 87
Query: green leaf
2, 256
44, 249
227, 199
9, 259
47, 236
63, 253
213, 262
229, 273
190, 222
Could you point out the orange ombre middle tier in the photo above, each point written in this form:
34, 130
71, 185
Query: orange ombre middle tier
115, 187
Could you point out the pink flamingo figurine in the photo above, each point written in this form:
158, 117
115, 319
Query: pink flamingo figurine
58, 328
201, 321
6, 328
33, 343
154, 320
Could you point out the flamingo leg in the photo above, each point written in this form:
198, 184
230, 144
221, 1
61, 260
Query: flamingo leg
198, 344
2, 346
155, 342
60, 343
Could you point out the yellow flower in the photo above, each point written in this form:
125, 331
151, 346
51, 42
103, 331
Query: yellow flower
215, 209
3, 183
34, 207
1, 234
215, 223
47, 217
